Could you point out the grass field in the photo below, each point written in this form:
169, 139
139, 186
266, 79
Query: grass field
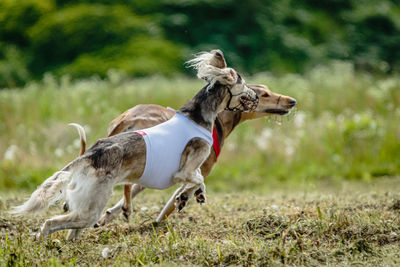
346, 126
319, 186
346, 224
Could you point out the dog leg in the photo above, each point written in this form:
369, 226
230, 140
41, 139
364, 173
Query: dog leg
61, 222
127, 207
73, 234
189, 173
169, 207
114, 211
190, 188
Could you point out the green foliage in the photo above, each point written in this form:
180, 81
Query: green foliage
141, 56
13, 66
16, 17
60, 37
278, 36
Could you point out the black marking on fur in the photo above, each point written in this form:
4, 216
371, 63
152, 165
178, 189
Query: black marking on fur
198, 192
200, 197
105, 154
65, 207
182, 200
208, 99
125, 212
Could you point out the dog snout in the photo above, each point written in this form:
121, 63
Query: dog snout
292, 102
253, 95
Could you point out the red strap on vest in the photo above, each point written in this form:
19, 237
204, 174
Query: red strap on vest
141, 132
216, 146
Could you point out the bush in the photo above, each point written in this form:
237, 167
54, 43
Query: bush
141, 56
60, 37
13, 67
17, 16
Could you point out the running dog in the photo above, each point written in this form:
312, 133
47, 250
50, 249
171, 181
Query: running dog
128, 158
144, 116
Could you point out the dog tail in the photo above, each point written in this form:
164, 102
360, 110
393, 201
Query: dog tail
46, 194
82, 136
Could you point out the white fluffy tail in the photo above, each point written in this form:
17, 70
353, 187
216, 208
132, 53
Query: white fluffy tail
48, 193
82, 136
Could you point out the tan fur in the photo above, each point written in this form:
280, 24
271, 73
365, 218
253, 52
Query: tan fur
145, 116
121, 158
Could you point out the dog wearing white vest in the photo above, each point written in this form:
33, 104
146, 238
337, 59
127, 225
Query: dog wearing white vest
87, 182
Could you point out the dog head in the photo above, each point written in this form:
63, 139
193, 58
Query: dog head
211, 67
271, 103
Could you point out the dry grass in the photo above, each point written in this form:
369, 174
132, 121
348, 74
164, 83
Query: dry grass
343, 224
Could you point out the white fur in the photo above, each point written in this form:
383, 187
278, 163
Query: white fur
209, 73
50, 191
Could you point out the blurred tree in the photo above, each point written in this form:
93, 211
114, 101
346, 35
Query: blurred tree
87, 37
60, 37
17, 16
140, 56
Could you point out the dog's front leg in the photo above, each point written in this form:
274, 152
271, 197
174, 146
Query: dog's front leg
189, 173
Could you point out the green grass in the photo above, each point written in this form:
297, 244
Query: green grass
346, 223
346, 126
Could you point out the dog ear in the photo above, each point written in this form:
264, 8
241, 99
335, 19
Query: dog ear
218, 59
211, 67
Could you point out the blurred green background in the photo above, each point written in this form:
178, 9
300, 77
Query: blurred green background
88, 61
143, 37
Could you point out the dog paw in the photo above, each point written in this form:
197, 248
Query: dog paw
200, 196
37, 236
181, 200
126, 212
65, 207
104, 220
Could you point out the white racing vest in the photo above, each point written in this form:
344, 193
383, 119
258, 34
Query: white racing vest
164, 146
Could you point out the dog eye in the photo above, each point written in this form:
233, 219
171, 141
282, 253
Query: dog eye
265, 95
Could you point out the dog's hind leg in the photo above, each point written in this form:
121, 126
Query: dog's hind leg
73, 234
61, 222
114, 211
87, 205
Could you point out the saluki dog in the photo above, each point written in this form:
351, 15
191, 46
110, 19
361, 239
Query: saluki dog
87, 182
144, 116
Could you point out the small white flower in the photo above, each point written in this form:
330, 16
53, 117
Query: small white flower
59, 152
274, 206
106, 253
11, 153
299, 119
144, 208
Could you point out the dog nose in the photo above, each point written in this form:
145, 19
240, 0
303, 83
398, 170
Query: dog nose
292, 102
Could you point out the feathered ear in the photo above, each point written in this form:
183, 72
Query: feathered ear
218, 60
213, 58
211, 67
